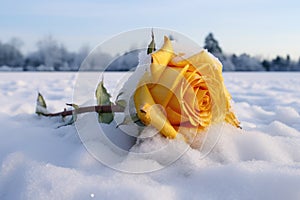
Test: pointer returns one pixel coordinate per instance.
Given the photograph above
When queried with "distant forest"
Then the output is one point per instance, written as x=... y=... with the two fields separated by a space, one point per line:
x=53 y=56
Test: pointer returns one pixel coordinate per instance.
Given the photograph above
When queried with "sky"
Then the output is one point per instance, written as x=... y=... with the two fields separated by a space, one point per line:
x=260 y=28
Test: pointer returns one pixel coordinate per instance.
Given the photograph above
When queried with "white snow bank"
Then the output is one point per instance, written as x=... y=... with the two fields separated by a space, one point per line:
x=262 y=161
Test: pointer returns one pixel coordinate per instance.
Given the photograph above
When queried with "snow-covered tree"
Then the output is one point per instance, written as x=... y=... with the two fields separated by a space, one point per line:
x=266 y=65
x=79 y=57
x=10 y=56
x=97 y=60
x=125 y=62
x=279 y=64
x=51 y=55
x=16 y=42
x=245 y=62
x=293 y=65
x=212 y=45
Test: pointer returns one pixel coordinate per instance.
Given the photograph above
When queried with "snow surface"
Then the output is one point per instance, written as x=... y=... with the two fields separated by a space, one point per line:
x=262 y=161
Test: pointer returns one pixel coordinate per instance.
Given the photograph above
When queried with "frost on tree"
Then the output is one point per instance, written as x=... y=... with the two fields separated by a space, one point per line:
x=212 y=45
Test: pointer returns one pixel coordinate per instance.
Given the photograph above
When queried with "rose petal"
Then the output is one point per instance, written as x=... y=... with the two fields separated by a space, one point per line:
x=160 y=59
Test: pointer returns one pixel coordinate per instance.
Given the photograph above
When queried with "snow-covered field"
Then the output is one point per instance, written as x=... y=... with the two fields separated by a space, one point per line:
x=262 y=161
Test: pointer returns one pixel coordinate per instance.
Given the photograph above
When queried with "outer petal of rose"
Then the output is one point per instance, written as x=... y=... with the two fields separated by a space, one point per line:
x=149 y=113
x=163 y=91
x=231 y=119
x=175 y=102
x=142 y=98
x=204 y=57
x=230 y=116
x=160 y=59
x=160 y=91
x=160 y=122
x=176 y=118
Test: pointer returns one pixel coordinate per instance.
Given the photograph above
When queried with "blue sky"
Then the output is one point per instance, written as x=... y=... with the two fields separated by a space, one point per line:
x=260 y=28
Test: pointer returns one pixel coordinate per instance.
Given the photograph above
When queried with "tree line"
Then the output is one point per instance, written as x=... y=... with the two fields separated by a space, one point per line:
x=51 y=55
x=245 y=62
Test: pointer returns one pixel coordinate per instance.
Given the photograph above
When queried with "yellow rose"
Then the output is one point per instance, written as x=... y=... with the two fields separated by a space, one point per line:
x=183 y=94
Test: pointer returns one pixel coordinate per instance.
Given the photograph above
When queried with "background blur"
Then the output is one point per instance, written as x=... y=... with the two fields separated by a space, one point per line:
x=38 y=35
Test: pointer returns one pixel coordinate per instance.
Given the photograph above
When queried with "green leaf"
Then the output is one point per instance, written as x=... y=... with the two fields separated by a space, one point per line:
x=103 y=98
x=121 y=103
x=74 y=115
x=41 y=106
x=106 y=118
x=151 y=46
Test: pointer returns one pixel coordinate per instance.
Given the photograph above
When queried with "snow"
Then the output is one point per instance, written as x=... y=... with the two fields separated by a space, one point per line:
x=9 y=69
x=261 y=161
